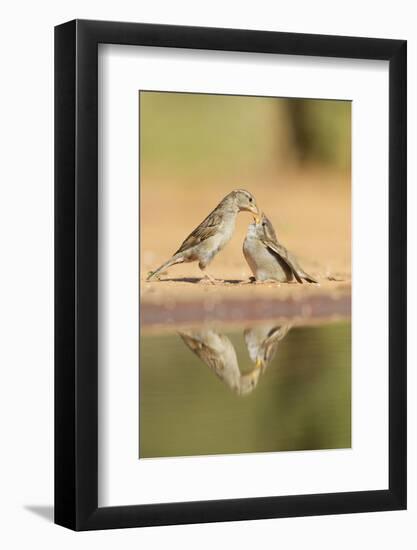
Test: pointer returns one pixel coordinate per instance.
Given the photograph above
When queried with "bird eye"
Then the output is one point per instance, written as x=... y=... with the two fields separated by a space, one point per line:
x=250 y=199
x=264 y=224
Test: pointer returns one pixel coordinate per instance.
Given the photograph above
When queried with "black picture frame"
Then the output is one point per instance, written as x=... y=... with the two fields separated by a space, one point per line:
x=76 y=274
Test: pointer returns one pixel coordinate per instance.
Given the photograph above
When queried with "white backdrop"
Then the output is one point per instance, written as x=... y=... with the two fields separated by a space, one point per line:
x=26 y=299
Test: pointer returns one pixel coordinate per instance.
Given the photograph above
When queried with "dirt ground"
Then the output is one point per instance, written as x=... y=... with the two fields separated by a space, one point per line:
x=311 y=213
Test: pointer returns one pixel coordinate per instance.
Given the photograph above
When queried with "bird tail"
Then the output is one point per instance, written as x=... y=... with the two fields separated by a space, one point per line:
x=176 y=259
x=308 y=278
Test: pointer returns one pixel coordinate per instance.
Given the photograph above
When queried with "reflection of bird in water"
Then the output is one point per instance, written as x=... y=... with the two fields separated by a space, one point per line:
x=218 y=353
x=267 y=258
x=262 y=342
x=213 y=233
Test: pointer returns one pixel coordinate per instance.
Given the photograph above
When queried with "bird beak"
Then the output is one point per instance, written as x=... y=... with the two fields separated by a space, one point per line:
x=256 y=215
x=258 y=364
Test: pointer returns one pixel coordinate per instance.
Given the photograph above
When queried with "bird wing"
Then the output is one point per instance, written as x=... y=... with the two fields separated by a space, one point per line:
x=206 y=353
x=222 y=363
x=205 y=230
x=276 y=334
x=270 y=344
x=284 y=255
x=288 y=259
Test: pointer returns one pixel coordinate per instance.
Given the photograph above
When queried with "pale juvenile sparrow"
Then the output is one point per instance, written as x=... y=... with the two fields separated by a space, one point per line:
x=213 y=233
x=267 y=258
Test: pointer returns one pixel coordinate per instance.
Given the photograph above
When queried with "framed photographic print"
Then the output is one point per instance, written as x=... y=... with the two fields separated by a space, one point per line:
x=230 y=251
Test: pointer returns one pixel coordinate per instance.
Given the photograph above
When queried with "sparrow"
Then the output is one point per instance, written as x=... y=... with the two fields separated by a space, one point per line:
x=218 y=353
x=267 y=258
x=262 y=342
x=213 y=233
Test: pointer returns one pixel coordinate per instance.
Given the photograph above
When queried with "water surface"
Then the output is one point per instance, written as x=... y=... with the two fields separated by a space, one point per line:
x=251 y=388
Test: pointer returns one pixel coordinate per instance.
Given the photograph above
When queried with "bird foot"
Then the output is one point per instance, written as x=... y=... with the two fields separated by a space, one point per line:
x=208 y=279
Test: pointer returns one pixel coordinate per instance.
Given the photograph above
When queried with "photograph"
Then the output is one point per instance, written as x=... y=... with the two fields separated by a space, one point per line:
x=245 y=268
x=208 y=271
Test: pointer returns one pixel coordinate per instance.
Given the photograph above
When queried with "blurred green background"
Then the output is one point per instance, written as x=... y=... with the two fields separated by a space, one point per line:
x=302 y=400
x=184 y=136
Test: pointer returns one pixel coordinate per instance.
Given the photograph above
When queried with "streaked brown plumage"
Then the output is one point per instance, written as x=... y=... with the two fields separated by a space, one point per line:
x=213 y=233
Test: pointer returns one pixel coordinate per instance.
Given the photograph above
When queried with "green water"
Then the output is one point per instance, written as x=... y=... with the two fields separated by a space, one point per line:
x=199 y=399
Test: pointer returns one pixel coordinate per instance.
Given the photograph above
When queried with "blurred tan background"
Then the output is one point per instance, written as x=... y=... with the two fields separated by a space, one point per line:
x=294 y=155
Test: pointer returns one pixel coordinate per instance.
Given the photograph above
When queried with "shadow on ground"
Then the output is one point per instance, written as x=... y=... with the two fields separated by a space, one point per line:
x=199 y=280
x=45 y=512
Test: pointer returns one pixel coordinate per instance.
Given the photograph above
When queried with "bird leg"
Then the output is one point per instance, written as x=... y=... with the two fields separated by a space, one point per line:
x=209 y=279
